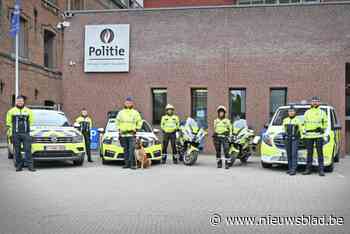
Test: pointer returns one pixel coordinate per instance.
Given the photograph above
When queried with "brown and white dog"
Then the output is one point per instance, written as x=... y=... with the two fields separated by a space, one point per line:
x=140 y=155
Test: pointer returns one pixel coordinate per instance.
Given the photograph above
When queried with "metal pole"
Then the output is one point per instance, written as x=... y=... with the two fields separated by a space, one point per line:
x=17 y=68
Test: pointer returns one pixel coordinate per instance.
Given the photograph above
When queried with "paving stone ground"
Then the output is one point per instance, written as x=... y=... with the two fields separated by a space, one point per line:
x=96 y=198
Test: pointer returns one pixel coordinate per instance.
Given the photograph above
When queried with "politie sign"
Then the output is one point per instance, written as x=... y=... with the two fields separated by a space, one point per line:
x=107 y=48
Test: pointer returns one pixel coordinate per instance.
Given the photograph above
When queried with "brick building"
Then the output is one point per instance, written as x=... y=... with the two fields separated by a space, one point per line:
x=41 y=49
x=251 y=59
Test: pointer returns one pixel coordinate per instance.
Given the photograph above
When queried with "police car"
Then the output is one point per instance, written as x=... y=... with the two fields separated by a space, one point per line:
x=53 y=138
x=273 y=146
x=111 y=149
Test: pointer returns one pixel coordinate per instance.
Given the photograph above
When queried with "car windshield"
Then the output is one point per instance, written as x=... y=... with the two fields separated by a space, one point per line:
x=111 y=126
x=283 y=113
x=49 y=118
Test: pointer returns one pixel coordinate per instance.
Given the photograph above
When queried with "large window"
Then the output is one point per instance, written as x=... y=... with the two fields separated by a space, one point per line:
x=49 y=49
x=277 y=2
x=237 y=102
x=159 y=101
x=199 y=110
x=22 y=39
x=278 y=97
x=76 y=4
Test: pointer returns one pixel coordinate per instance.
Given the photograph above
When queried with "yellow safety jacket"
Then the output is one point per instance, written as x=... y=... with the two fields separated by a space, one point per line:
x=222 y=127
x=293 y=121
x=84 y=122
x=19 y=120
x=315 y=123
x=170 y=123
x=128 y=121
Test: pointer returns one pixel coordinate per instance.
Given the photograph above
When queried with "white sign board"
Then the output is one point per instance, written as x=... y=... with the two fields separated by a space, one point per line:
x=107 y=48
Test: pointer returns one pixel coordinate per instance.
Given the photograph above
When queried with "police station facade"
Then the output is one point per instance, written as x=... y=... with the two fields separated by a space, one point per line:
x=251 y=59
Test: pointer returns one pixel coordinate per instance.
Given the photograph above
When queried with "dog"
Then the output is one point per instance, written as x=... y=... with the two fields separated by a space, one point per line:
x=141 y=158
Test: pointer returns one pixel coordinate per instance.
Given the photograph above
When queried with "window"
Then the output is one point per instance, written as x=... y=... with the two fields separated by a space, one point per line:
x=199 y=110
x=76 y=5
x=22 y=39
x=255 y=2
x=159 y=101
x=278 y=97
x=52 y=1
x=49 y=49
x=237 y=102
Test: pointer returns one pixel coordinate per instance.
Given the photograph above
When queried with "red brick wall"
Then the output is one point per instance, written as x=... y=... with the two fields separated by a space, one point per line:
x=303 y=48
x=32 y=73
x=179 y=3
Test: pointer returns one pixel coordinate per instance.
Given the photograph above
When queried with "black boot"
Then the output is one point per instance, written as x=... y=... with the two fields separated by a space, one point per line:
x=227 y=164
x=321 y=173
x=31 y=168
x=219 y=164
x=19 y=169
x=175 y=160
x=307 y=171
x=292 y=173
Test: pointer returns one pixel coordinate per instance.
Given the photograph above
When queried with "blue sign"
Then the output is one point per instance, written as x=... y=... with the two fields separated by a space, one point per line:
x=15 y=19
x=94 y=138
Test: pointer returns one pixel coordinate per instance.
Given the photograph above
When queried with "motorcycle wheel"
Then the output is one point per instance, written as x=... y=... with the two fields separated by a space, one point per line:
x=190 y=159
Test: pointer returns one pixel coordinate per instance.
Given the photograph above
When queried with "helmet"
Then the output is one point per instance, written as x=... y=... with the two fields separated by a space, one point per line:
x=316 y=98
x=169 y=106
x=221 y=108
x=291 y=107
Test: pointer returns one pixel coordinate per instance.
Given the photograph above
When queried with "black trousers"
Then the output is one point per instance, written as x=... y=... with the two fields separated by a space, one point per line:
x=221 y=143
x=166 y=138
x=26 y=140
x=292 y=144
x=310 y=151
x=128 y=144
x=87 y=145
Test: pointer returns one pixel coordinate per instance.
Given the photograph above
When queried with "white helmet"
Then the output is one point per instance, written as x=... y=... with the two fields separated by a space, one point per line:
x=169 y=106
x=221 y=108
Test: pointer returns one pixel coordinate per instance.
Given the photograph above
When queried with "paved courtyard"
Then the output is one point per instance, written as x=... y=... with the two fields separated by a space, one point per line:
x=96 y=198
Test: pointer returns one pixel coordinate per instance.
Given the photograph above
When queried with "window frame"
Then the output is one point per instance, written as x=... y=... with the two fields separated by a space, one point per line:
x=54 y=49
x=193 y=112
x=270 y=99
x=165 y=91
x=244 y=116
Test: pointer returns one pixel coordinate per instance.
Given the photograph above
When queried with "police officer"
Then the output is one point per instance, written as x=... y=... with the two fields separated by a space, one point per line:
x=85 y=125
x=128 y=121
x=292 y=134
x=315 y=124
x=222 y=130
x=19 y=119
x=169 y=124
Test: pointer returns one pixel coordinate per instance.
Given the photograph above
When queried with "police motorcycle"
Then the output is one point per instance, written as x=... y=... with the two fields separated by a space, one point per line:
x=189 y=141
x=242 y=142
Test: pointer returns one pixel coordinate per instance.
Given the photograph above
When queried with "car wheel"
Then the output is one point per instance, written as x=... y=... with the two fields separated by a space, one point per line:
x=337 y=158
x=266 y=165
x=104 y=162
x=9 y=154
x=79 y=162
x=329 y=168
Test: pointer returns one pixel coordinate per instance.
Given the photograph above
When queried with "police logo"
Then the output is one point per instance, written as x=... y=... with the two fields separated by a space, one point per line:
x=54 y=139
x=107 y=35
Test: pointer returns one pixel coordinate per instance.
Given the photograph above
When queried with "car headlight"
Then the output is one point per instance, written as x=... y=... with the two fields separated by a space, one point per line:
x=107 y=141
x=115 y=141
x=267 y=139
x=78 y=139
